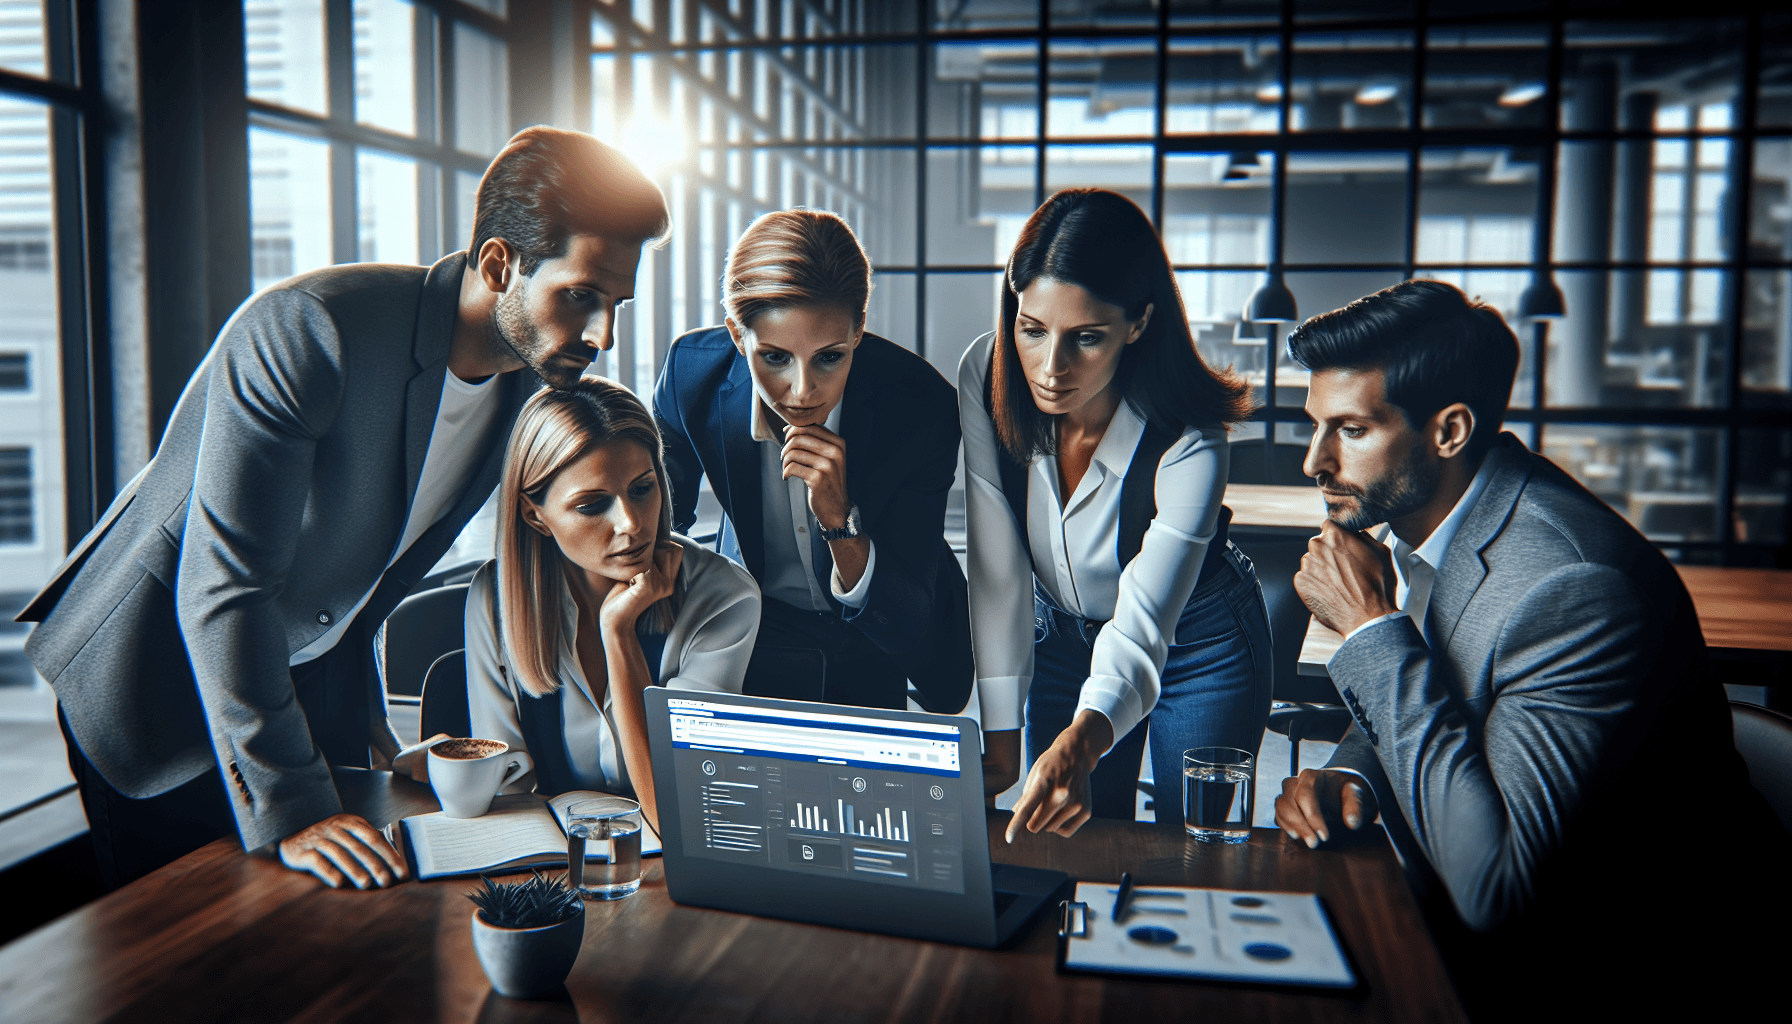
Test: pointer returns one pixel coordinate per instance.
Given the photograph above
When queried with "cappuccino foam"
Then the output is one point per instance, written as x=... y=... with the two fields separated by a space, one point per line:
x=466 y=749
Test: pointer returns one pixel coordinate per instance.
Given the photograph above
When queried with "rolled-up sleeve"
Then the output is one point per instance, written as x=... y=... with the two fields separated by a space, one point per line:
x=1127 y=663
x=999 y=571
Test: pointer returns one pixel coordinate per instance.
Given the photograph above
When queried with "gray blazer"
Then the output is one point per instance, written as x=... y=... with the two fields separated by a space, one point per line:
x=274 y=502
x=1522 y=759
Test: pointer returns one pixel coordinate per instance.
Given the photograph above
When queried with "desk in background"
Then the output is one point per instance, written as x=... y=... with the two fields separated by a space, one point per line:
x=1746 y=615
x=222 y=936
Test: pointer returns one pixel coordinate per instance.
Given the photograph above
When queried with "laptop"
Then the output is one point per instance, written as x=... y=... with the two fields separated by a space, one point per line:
x=858 y=818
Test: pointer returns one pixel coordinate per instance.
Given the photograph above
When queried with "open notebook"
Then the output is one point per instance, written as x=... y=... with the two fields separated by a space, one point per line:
x=520 y=831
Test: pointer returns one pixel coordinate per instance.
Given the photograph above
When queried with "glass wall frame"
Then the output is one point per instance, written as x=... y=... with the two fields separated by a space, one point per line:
x=398 y=104
x=1460 y=139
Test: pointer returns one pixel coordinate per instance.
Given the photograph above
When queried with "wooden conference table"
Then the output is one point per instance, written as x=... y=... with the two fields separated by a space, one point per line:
x=1746 y=615
x=221 y=936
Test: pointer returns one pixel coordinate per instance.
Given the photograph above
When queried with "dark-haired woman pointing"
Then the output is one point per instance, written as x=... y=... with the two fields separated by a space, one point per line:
x=1095 y=443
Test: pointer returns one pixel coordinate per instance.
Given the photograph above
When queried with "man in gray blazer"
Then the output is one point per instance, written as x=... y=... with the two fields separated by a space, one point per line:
x=1534 y=717
x=211 y=641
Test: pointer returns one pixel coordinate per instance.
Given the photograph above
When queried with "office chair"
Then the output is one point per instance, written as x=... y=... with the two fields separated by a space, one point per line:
x=1764 y=739
x=445 y=697
x=1305 y=707
x=419 y=631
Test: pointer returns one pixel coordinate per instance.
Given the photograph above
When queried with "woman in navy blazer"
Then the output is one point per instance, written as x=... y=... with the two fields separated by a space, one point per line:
x=831 y=452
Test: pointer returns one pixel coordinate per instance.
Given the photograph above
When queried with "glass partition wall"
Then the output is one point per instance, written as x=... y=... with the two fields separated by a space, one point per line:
x=1639 y=166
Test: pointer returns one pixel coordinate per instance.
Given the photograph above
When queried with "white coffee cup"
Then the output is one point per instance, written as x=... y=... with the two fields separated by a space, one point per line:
x=466 y=782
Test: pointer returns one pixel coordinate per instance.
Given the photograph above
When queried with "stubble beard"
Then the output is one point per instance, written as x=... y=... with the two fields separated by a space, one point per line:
x=1395 y=496
x=515 y=336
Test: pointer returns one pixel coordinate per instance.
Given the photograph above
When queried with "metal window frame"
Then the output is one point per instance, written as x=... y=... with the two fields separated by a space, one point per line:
x=432 y=147
x=838 y=19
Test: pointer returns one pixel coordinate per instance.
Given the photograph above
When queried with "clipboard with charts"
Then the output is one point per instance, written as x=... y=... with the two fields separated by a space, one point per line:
x=1265 y=938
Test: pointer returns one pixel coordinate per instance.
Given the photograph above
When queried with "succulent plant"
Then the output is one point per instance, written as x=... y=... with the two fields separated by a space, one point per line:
x=536 y=903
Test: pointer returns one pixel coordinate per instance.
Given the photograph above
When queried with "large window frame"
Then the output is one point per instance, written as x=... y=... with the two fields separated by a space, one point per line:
x=433 y=147
x=646 y=29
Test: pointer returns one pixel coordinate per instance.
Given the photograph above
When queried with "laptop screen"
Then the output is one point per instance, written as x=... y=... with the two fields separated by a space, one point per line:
x=819 y=793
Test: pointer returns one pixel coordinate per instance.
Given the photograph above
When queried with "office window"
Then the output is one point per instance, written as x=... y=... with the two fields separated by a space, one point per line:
x=1471 y=146
x=359 y=147
x=47 y=456
x=18 y=513
x=15 y=371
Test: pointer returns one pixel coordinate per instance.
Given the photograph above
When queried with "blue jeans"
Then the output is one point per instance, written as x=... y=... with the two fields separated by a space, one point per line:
x=1216 y=687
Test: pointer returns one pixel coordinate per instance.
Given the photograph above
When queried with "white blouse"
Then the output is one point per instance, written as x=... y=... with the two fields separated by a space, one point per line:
x=1074 y=557
x=707 y=649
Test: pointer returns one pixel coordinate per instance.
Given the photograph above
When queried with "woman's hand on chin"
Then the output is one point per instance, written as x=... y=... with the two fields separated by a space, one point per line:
x=626 y=600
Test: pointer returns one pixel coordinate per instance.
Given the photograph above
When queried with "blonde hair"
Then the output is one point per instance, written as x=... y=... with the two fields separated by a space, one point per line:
x=796 y=258
x=555 y=429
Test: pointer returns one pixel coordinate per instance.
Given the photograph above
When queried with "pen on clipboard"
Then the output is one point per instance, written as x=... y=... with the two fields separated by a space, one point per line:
x=1123 y=897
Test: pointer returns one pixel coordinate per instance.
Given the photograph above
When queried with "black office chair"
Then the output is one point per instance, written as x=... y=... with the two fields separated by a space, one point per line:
x=445 y=697
x=419 y=631
x=1306 y=707
x=1764 y=739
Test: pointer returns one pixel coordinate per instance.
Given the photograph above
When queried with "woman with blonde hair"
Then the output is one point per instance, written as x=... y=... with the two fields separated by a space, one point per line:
x=831 y=452
x=592 y=597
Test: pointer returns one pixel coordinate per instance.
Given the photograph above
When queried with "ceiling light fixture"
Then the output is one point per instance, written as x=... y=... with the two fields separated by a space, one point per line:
x=1376 y=92
x=1520 y=93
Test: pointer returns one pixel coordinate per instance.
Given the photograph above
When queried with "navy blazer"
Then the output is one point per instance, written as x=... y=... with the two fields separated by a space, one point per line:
x=900 y=424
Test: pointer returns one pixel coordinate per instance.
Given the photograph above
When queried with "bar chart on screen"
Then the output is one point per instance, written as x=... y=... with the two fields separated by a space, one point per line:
x=889 y=823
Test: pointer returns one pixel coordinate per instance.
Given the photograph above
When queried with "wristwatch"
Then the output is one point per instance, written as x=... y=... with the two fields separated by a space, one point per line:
x=850 y=530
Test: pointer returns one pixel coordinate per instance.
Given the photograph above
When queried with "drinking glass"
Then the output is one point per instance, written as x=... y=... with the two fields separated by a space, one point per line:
x=613 y=822
x=1219 y=787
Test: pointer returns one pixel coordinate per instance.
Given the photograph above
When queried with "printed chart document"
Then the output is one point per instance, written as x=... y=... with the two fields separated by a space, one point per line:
x=521 y=831
x=1274 y=938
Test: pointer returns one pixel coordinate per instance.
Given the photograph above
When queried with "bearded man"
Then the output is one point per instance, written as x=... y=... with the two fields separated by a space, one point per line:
x=1535 y=721
x=211 y=641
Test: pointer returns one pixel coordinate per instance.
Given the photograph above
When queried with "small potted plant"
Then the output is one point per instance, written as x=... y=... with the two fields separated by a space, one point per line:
x=527 y=934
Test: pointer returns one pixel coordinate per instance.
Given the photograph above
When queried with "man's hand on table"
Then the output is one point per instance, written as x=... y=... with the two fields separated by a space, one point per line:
x=1346 y=578
x=1317 y=800
x=1001 y=763
x=344 y=846
x=1056 y=797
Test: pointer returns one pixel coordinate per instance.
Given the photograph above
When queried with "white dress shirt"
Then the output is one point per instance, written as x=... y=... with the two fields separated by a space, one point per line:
x=707 y=649
x=784 y=512
x=1075 y=557
x=1415 y=569
x=458 y=443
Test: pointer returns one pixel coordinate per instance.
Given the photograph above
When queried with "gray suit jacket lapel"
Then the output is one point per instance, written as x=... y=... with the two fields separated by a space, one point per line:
x=429 y=348
x=1463 y=569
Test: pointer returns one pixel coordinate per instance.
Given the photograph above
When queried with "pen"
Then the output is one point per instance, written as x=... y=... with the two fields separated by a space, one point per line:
x=1124 y=897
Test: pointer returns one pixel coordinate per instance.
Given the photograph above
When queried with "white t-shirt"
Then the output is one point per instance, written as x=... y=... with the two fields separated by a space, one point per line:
x=457 y=445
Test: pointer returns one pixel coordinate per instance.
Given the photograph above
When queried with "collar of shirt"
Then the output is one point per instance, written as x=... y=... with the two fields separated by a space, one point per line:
x=762 y=430
x=1113 y=454
x=1432 y=550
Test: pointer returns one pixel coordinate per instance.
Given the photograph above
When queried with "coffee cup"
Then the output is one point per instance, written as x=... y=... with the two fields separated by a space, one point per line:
x=467 y=773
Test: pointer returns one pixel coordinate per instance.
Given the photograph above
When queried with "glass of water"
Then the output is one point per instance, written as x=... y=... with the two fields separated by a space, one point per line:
x=607 y=827
x=1219 y=787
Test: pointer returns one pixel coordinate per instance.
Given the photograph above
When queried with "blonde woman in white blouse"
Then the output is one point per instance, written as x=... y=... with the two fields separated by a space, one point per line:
x=592 y=597
x=1095 y=454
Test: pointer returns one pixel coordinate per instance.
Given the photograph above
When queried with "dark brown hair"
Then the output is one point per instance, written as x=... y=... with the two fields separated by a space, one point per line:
x=796 y=258
x=1102 y=242
x=549 y=184
x=1435 y=345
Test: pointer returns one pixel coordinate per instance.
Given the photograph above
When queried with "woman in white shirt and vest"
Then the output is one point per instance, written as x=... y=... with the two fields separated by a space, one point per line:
x=592 y=597
x=1095 y=452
